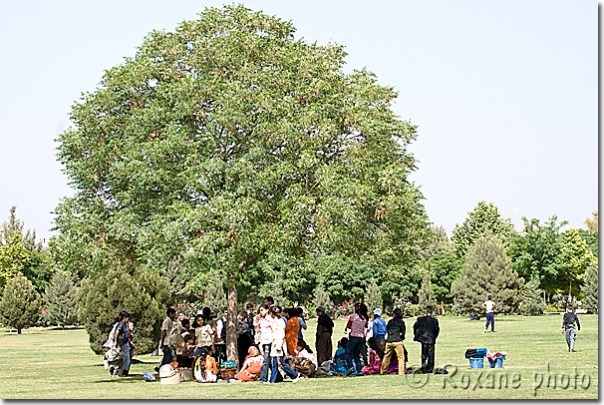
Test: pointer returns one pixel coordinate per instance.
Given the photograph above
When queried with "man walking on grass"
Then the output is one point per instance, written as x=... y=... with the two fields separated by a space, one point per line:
x=568 y=327
x=489 y=306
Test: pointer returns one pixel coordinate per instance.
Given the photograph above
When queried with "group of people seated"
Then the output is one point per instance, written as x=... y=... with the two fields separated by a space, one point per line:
x=272 y=346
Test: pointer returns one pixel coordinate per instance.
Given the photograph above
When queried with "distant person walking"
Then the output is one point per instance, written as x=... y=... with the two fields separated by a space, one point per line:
x=568 y=327
x=426 y=331
x=489 y=307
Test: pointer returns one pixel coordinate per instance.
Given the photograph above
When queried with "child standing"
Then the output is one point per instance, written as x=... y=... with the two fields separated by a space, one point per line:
x=568 y=327
x=204 y=335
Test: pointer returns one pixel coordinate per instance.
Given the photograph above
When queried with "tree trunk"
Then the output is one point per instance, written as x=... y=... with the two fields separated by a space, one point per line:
x=18 y=330
x=231 y=332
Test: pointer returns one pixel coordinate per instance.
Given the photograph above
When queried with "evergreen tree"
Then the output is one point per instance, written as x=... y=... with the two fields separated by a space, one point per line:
x=124 y=286
x=426 y=292
x=215 y=297
x=532 y=300
x=373 y=296
x=487 y=271
x=484 y=219
x=60 y=300
x=590 y=289
x=21 y=303
x=320 y=297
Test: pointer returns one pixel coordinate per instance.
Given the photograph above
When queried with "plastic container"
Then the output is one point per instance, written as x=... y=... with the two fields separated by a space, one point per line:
x=476 y=362
x=167 y=375
x=481 y=352
x=497 y=363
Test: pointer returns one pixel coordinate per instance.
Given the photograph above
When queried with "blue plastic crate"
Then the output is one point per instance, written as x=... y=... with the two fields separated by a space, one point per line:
x=476 y=362
x=497 y=363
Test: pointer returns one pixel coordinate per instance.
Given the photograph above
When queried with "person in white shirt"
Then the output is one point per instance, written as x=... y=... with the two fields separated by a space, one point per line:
x=489 y=306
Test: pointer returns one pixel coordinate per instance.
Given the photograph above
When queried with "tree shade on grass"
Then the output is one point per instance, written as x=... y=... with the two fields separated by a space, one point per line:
x=65 y=367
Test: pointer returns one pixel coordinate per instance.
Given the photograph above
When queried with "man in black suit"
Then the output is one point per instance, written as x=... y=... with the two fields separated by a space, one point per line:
x=426 y=331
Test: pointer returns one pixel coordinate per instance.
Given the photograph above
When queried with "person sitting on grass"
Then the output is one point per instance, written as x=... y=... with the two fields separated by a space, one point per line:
x=251 y=367
x=301 y=365
x=305 y=351
x=205 y=367
x=340 y=367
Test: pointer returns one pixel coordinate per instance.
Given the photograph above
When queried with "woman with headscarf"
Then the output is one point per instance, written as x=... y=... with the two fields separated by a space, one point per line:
x=251 y=367
x=292 y=327
x=324 y=331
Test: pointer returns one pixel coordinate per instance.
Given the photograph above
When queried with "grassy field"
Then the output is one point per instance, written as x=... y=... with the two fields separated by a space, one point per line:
x=58 y=364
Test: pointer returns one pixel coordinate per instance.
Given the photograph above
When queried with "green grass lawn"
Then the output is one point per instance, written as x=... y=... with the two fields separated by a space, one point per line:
x=58 y=364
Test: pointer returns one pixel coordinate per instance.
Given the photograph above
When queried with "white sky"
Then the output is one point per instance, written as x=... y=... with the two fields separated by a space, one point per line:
x=505 y=93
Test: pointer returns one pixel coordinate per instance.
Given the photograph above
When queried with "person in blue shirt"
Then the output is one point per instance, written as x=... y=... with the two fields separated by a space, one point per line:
x=379 y=326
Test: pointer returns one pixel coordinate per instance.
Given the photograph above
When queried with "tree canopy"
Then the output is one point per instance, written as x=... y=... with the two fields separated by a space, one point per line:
x=227 y=138
x=484 y=219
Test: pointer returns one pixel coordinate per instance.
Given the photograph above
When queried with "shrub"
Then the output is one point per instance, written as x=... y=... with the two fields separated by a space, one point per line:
x=124 y=286
x=415 y=310
x=532 y=302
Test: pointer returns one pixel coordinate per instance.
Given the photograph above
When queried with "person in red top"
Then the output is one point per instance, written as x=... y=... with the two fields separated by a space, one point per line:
x=357 y=323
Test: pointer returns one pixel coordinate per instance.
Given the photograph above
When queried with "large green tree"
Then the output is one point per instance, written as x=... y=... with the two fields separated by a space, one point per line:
x=575 y=258
x=228 y=138
x=484 y=219
x=536 y=252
